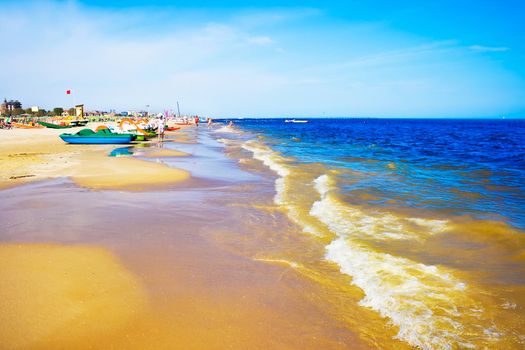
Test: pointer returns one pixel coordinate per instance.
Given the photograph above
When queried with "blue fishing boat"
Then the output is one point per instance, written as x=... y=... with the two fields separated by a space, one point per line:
x=104 y=136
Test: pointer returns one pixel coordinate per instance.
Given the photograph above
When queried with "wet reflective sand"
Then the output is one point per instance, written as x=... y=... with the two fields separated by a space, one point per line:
x=143 y=271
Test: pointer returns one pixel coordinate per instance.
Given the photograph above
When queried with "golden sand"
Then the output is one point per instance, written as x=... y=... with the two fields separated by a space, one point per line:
x=81 y=297
x=55 y=296
x=102 y=172
x=156 y=153
x=36 y=154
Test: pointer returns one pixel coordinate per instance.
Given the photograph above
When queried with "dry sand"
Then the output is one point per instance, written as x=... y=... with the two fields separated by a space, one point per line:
x=36 y=154
x=74 y=283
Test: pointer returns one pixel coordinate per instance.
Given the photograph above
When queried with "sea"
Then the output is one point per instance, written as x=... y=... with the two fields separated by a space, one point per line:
x=412 y=228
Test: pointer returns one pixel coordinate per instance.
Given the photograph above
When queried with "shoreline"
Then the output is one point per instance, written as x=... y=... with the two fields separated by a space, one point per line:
x=255 y=243
x=156 y=272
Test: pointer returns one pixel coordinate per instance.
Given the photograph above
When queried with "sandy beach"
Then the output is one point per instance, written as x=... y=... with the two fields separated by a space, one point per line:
x=36 y=154
x=104 y=252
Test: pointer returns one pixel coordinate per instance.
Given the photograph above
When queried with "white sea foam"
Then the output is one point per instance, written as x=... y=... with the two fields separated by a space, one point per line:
x=419 y=299
x=376 y=225
x=432 y=226
x=227 y=129
x=272 y=160
x=227 y=142
x=277 y=164
x=509 y=305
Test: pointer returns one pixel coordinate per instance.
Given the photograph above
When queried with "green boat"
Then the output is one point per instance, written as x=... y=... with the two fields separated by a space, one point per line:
x=55 y=126
x=149 y=135
x=104 y=136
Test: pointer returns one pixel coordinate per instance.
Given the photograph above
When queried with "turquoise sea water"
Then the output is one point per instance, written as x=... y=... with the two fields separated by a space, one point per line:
x=474 y=167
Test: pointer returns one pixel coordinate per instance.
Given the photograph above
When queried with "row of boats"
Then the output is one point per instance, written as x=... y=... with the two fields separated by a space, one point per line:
x=126 y=131
x=41 y=124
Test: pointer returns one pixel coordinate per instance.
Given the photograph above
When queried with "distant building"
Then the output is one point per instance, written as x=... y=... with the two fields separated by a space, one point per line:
x=35 y=109
x=11 y=105
x=79 y=111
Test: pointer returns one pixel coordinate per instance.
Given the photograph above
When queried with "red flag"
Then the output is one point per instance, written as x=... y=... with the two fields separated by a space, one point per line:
x=68 y=92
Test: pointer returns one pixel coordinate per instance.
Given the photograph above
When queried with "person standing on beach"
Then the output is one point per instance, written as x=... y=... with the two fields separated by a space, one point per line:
x=196 y=120
x=161 y=128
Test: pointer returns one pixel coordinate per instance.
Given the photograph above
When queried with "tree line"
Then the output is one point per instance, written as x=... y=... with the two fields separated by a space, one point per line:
x=57 y=111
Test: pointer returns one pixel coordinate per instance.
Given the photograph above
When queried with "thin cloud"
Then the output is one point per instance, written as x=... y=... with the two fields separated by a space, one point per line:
x=261 y=40
x=398 y=56
x=480 y=48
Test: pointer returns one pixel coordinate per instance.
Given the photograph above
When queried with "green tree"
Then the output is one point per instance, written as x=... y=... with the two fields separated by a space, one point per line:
x=41 y=112
x=28 y=111
x=58 y=111
x=17 y=111
x=71 y=111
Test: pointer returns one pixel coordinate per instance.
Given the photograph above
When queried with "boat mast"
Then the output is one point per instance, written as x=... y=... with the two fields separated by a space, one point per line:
x=178 y=109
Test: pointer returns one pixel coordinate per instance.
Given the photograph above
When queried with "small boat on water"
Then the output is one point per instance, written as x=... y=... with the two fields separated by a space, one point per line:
x=295 y=121
x=103 y=136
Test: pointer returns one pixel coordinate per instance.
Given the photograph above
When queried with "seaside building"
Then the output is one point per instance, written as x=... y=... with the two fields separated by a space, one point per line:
x=79 y=111
x=10 y=105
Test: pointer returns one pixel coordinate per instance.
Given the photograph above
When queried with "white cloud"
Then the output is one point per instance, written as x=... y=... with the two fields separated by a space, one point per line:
x=261 y=40
x=480 y=48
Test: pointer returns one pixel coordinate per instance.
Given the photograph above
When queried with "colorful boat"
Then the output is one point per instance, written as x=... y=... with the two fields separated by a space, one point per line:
x=136 y=135
x=26 y=126
x=55 y=126
x=104 y=136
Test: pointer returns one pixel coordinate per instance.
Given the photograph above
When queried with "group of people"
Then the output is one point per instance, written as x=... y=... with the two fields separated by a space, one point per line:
x=161 y=125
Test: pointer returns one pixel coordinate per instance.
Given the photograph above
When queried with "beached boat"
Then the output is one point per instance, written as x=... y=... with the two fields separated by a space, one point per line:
x=295 y=121
x=104 y=136
x=55 y=126
x=78 y=122
x=26 y=126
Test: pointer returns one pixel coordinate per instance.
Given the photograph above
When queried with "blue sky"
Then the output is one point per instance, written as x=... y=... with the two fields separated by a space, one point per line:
x=273 y=58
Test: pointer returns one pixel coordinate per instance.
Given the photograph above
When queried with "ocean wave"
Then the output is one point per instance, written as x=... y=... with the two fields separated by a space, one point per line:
x=377 y=225
x=427 y=304
x=272 y=160
x=228 y=129
x=389 y=253
x=422 y=300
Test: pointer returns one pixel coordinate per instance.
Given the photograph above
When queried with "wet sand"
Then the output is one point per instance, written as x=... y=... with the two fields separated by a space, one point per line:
x=151 y=274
